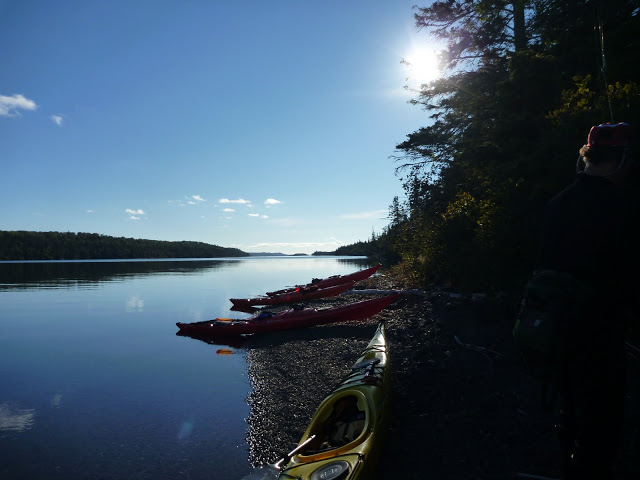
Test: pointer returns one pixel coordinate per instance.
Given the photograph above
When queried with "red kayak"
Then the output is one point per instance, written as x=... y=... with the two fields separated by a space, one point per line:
x=272 y=322
x=294 y=296
x=332 y=281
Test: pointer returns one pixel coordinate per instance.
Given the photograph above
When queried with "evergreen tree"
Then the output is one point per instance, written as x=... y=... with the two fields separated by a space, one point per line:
x=524 y=80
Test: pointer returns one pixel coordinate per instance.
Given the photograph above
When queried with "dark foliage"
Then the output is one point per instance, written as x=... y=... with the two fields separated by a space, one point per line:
x=525 y=80
x=22 y=245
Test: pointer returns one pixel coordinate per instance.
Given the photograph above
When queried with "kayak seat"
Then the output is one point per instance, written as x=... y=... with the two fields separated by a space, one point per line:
x=343 y=426
x=340 y=433
x=346 y=432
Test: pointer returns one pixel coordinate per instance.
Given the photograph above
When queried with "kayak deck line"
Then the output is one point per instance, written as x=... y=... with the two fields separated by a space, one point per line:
x=372 y=377
x=294 y=296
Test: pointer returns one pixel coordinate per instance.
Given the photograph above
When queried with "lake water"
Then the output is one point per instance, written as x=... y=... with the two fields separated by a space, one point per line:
x=95 y=384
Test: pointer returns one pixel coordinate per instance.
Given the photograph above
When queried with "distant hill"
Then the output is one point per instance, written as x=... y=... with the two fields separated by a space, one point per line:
x=24 y=245
x=356 y=249
x=278 y=254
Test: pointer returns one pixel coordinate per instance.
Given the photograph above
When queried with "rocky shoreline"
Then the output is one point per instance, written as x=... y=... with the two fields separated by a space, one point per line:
x=462 y=407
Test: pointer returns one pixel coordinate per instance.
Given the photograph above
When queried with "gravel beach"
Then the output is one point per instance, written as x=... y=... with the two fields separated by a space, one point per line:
x=462 y=407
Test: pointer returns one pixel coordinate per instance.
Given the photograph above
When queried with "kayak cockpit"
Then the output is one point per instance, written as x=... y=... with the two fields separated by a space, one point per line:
x=341 y=424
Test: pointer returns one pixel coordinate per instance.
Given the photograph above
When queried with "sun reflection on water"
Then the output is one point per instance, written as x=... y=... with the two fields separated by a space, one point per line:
x=185 y=430
x=56 y=400
x=16 y=420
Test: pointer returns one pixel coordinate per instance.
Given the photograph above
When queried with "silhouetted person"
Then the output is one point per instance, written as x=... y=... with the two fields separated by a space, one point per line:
x=587 y=232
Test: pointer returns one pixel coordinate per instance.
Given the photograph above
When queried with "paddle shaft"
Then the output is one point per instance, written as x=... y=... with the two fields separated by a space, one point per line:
x=286 y=458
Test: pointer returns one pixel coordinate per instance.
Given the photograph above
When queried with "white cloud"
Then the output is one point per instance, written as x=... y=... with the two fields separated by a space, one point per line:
x=239 y=200
x=11 y=106
x=90 y=211
x=193 y=200
x=254 y=214
x=57 y=119
x=229 y=210
x=134 y=214
x=271 y=201
x=374 y=214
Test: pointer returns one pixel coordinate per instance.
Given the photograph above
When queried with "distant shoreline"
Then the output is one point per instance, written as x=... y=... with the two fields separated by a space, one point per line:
x=67 y=246
x=179 y=259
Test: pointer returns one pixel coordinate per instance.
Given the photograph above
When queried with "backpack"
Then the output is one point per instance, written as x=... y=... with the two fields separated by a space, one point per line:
x=551 y=303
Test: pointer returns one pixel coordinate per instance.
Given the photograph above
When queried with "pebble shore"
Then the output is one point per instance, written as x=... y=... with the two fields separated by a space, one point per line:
x=462 y=407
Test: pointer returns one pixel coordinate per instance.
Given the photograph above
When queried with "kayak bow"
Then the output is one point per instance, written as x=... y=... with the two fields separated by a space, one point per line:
x=294 y=318
x=332 y=281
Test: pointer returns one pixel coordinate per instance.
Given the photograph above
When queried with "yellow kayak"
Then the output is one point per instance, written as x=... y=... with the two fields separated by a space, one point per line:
x=344 y=439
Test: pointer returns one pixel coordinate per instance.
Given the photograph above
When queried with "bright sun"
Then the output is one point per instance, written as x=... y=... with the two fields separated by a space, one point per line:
x=422 y=64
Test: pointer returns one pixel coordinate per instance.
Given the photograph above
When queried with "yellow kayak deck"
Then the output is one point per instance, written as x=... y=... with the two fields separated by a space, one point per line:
x=349 y=425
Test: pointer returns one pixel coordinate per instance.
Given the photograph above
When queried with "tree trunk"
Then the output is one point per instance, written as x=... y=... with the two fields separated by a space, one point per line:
x=519 y=34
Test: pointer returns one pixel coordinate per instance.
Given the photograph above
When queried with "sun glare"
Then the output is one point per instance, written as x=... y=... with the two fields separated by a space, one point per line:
x=422 y=64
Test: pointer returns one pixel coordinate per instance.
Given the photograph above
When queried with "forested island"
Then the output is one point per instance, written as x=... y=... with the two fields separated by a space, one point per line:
x=379 y=248
x=24 y=245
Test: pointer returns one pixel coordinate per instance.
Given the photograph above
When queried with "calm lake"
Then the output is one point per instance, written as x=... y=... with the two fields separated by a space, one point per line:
x=95 y=384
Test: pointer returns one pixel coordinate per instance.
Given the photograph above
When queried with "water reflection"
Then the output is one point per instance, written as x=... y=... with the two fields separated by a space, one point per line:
x=185 y=430
x=135 y=304
x=104 y=382
x=276 y=339
x=362 y=262
x=15 y=420
x=56 y=401
x=89 y=274
x=237 y=341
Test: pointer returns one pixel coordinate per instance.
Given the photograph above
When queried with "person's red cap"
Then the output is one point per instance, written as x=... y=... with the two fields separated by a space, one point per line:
x=611 y=135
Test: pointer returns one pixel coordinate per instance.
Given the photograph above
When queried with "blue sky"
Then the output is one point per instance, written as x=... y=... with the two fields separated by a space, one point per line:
x=262 y=125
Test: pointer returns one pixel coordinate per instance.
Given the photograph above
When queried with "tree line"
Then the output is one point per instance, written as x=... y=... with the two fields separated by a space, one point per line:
x=24 y=245
x=523 y=83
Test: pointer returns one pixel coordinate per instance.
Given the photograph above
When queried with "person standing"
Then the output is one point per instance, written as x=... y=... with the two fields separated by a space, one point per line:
x=587 y=232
